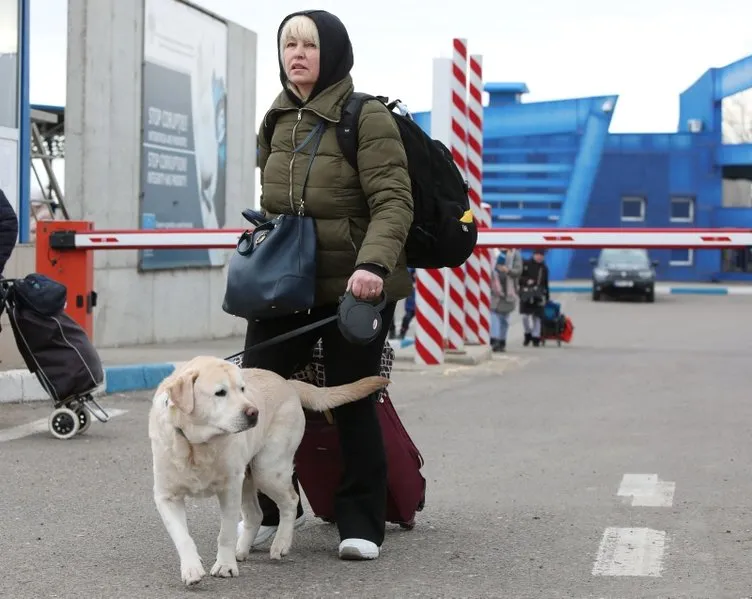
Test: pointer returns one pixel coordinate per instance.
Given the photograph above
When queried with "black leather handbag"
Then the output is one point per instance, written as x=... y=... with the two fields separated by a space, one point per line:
x=273 y=271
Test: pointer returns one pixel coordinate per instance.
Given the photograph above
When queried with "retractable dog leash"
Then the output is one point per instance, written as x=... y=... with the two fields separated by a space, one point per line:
x=359 y=322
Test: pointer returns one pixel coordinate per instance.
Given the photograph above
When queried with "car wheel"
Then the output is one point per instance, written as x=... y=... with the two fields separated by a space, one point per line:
x=650 y=297
x=596 y=296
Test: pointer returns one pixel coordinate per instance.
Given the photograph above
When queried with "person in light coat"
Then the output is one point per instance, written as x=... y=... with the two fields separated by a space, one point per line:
x=504 y=295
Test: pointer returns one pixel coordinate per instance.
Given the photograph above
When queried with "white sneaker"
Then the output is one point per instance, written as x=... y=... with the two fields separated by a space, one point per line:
x=267 y=532
x=358 y=549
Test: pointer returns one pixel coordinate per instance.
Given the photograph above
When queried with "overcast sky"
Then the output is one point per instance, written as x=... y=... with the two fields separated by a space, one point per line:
x=647 y=51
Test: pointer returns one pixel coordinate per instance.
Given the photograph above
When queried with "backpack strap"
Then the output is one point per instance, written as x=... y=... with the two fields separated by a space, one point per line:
x=347 y=128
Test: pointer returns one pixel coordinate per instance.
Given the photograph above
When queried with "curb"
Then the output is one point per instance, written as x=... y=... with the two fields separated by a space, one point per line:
x=23 y=386
x=663 y=290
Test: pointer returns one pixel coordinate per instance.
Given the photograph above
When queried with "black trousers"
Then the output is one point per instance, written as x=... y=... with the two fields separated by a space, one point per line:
x=360 y=500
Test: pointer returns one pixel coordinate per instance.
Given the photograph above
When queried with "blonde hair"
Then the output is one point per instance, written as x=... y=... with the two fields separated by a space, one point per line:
x=301 y=28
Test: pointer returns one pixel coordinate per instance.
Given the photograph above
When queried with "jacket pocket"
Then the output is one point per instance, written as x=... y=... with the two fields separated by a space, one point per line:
x=357 y=232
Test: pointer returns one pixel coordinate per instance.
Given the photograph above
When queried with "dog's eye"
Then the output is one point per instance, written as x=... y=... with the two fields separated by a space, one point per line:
x=221 y=393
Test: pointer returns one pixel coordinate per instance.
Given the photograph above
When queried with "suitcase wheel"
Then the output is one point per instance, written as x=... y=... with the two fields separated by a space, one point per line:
x=64 y=423
x=84 y=420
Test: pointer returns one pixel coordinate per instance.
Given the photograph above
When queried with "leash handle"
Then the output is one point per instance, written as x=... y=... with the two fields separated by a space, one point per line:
x=284 y=336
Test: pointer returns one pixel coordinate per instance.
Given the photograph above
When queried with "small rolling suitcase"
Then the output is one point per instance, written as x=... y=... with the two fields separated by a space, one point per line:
x=51 y=343
x=567 y=331
x=318 y=459
x=56 y=349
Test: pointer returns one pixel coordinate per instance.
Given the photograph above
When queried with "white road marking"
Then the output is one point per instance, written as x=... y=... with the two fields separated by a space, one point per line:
x=41 y=425
x=647 y=490
x=630 y=552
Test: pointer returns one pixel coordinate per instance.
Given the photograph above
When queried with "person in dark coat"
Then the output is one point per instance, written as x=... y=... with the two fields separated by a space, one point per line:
x=534 y=294
x=409 y=313
x=8 y=230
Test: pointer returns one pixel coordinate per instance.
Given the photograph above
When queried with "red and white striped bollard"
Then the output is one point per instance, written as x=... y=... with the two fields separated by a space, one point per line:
x=456 y=295
x=478 y=322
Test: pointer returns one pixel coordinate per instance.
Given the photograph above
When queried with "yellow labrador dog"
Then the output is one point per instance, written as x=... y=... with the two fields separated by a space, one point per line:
x=218 y=430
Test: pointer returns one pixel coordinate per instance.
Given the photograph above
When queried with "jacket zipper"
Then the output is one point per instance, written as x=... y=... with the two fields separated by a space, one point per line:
x=292 y=160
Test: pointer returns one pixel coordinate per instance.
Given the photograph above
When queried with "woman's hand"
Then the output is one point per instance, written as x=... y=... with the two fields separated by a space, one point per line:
x=365 y=285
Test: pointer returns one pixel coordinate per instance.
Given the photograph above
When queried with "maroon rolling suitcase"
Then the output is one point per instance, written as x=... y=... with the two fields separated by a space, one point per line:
x=318 y=460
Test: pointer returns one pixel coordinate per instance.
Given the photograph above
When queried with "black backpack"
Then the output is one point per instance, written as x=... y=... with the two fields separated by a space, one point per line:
x=443 y=232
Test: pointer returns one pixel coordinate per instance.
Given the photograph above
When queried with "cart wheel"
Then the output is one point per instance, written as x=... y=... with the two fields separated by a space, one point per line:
x=64 y=423
x=84 y=420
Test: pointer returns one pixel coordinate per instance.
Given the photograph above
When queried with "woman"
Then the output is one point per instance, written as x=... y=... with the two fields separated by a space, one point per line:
x=362 y=221
x=534 y=294
x=503 y=295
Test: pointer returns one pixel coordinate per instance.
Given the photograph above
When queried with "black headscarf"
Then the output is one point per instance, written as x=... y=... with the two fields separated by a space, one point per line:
x=335 y=52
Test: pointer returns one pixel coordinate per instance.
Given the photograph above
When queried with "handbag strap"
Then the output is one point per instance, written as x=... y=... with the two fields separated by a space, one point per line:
x=315 y=135
x=285 y=336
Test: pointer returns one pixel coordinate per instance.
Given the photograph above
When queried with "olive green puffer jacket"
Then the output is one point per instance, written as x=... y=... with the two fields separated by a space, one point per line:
x=361 y=218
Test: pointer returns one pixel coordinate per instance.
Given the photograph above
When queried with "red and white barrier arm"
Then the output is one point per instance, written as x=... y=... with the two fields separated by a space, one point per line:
x=616 y=238
x=136 y=239
x=487 y=238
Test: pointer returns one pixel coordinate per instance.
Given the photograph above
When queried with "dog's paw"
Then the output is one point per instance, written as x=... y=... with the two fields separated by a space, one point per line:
x=225 y=570
x=243 y=546
x=279 y=548
x=192 y=572
x=242 y=553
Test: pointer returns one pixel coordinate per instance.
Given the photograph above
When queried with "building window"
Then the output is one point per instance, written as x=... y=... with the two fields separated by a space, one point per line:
x=632 y=209
x=681 y=257
x=739 y=260
x=682 y=209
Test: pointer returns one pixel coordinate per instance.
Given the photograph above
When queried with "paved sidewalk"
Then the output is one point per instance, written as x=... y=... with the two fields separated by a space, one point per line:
x=616 y=466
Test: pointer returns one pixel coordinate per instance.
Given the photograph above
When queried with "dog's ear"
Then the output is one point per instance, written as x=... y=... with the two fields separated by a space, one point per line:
x=181 y=391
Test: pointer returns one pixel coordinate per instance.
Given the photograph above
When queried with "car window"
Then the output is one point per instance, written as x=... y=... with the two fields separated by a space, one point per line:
x=627 y=257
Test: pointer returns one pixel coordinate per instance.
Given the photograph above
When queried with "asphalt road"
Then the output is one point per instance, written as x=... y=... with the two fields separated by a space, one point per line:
x=524 y=459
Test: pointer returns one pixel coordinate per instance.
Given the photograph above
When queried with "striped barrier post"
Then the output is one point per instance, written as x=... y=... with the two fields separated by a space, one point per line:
x=477 y=317
x=429 y=316
x=456 y=294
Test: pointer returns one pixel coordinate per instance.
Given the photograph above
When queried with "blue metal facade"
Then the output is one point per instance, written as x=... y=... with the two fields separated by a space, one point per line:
x=549 y=164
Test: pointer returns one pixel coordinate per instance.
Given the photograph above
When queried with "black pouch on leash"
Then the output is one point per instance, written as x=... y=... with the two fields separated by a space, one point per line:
x=273 y=271
x=359 y=321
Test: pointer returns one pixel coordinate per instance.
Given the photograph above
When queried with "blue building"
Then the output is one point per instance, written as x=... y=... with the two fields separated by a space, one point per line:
x=548 y=164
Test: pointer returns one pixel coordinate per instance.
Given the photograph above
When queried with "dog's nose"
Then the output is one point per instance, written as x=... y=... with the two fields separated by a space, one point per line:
x=251 y=415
